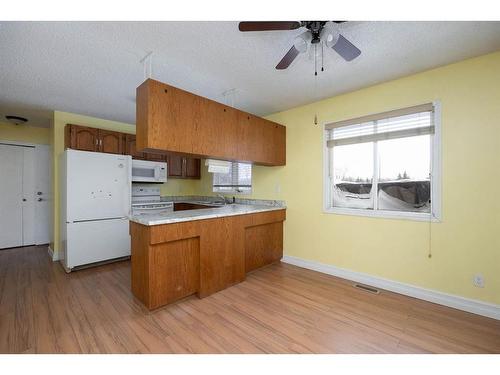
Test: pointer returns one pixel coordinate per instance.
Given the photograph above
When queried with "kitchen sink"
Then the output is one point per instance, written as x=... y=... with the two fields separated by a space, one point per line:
x=183 y=206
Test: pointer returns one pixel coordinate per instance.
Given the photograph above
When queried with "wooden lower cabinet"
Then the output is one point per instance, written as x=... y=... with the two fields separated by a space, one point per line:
x=173 y=261
x=263 y=245
x=175 y=271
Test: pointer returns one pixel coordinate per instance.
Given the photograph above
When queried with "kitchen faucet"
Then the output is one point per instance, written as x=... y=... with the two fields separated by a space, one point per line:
x=222 y=197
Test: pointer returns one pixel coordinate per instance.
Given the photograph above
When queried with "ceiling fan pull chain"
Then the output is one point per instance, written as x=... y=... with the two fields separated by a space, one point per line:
x=315 y=64
x=322 y=66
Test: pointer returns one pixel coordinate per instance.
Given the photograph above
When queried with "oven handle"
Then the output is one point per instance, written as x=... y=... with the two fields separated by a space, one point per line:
x=152 y=208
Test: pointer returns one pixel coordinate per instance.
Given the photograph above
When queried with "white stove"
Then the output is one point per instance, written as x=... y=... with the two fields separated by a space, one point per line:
x=146 y=201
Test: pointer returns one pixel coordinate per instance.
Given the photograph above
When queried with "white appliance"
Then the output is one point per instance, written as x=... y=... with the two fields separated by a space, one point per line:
x=146 y=201
x=149 y=171
x=95 y=205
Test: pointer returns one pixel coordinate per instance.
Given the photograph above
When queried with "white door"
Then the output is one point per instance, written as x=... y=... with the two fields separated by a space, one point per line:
x=98 y=185
x=43 y=195
x=11 y=195
x=28 y=200
x=17 y=214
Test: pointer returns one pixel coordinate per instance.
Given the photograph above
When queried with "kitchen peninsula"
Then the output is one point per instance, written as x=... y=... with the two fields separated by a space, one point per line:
x=203 y=250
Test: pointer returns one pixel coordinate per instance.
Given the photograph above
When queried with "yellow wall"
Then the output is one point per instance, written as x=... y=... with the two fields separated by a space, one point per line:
x=60 y=119
x=24 y=133
x=464 y=243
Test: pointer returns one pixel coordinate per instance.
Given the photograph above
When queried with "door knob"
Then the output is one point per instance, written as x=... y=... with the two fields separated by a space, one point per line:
x=24 y=199
x=39 y=193
x=40 y=199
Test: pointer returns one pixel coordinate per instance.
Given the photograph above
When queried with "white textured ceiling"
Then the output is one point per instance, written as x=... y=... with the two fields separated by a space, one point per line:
x=93 y=68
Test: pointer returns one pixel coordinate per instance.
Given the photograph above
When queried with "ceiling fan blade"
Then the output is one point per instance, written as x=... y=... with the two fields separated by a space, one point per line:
x=346 y=49
x=268 y=25
x=288 y=58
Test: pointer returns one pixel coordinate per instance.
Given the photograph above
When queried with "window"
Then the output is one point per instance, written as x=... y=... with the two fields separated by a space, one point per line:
x=384 y=165
x=238 y=180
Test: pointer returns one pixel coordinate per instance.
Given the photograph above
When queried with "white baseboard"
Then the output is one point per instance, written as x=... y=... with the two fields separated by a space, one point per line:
x=53 y=256
x=473 y=306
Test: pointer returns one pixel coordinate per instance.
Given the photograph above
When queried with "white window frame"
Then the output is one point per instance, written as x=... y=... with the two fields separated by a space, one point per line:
x=435 y=214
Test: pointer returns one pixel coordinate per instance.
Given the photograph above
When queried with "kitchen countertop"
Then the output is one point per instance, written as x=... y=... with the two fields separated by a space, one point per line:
x=239 y=208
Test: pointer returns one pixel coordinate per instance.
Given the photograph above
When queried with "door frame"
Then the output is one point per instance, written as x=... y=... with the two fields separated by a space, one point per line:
x=51 y=187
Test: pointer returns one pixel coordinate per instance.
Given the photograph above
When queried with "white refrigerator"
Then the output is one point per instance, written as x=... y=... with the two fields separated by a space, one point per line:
x=95 y=206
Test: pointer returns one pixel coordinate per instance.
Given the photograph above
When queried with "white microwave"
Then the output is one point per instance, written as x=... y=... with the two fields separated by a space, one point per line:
x=149 y=171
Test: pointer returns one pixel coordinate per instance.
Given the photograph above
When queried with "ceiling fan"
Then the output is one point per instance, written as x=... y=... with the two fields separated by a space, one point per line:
x=317 y=32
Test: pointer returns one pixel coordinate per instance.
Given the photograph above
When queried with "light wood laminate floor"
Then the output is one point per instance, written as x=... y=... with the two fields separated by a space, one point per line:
x=278 y=309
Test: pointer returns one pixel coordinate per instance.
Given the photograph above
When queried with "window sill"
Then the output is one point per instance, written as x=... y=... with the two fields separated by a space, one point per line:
x=415 y=216
x=233 y=192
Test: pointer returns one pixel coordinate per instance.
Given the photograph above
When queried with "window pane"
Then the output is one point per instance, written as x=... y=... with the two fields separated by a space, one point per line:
x=404 y=174
x=352 y=176
x=238 y=180
x=244 y=174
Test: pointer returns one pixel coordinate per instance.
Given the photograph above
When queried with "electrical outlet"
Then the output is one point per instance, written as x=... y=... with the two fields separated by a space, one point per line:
x=478 y=281
x=277 y=188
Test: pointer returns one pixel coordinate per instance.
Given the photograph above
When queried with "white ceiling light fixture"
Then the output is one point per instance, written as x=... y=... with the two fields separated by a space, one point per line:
x=302 y=42
x=330 y=35
x=16 y=120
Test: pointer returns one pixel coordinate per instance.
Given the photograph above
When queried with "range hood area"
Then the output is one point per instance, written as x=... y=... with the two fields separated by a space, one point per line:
x=169 y=119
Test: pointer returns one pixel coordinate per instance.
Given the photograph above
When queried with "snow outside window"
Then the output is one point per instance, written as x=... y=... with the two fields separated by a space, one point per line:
x=384 y=166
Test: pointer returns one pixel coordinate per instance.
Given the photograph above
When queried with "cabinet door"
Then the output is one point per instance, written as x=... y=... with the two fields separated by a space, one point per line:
x=155 y=157
x=83 y=138
x=175 y=166
x=130 y=147
x=279 y=145
x=263 y=245
x=175 y=270
x=251 y=131
x=111 y=142
x=193 y=167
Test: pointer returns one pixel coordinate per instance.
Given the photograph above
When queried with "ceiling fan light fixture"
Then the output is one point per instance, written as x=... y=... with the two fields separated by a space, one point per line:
x=302 y=41
x=330 y=36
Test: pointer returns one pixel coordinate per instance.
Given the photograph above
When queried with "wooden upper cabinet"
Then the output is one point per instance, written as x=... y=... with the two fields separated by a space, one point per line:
x=183 y=167
x=131 y=149
x=82 y=138
x=193 y=168
x=174 y=165
x=171 y=119
x=111 y=142
x=158 y=105
x=156 y=156
x=85 y=138
x=100 y=140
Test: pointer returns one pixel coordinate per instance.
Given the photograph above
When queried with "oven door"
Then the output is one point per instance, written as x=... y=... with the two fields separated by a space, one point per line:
x=152 y=209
